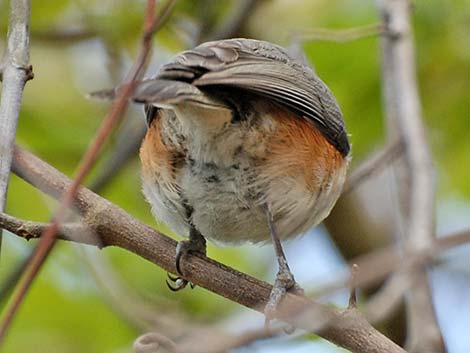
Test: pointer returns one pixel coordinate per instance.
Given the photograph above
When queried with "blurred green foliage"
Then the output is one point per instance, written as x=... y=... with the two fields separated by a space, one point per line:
x=64 y=312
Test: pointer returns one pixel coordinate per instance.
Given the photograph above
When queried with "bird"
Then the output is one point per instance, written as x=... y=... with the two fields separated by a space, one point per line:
x=244 y=144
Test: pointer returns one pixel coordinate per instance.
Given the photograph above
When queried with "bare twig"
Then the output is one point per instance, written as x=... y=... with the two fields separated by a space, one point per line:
x=374 y=266
x=116 y=228
x=65 y=36
x=352 y=291
x=125 y=149
x=221 y=342
x=337 y=35
x=390 y=296
x=75 y=232
x=403 y=106
x=124 y=152
x=385 y=301
x=372 y=165
x=15 y=71
x=377 y=265
x=47 y=241
x=234 y=21
x=143 y=314
x=152 y=342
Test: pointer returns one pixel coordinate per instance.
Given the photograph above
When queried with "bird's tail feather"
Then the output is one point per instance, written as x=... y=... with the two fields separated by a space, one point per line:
x=161 y=93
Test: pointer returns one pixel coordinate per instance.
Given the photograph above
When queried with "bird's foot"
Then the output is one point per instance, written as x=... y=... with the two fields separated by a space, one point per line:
x=179 y=283
x=195 y=244
x=284 y=283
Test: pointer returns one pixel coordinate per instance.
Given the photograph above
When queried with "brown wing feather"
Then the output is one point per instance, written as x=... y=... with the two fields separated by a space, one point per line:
x=265 y=69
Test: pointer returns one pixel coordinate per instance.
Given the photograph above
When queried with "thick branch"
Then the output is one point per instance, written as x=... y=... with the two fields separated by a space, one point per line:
x=116 y=228
x=15 y=73
x=375 y=266
x=404 y=112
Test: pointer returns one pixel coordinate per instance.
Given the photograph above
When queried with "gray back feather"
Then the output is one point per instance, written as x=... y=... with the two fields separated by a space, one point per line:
x=267 y=70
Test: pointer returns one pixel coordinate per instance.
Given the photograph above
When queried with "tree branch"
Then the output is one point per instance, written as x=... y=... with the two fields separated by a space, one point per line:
x=15 y=71
x=372 y=165
x=404 y=111
x=374 y=266
x=28 y=230
x=116 y=228
x=152 y=22
x=337 y=35
x=122 y=153
x=153 y=341
x=235 y=21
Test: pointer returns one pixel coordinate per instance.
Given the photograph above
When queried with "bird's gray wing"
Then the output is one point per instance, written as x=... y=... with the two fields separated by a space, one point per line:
x=267 y=70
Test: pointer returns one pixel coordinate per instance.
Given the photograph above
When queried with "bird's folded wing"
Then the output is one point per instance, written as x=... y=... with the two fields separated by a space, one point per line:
x=266 y=70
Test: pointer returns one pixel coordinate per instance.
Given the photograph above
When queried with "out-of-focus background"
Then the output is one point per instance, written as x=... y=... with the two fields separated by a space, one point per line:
x=86 y=300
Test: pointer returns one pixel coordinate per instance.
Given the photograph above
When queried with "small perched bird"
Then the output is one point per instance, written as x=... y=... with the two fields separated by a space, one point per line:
x=244 y=144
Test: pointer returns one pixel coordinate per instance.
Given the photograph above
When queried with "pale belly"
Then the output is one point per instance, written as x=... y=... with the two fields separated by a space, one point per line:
x=227 y=206
x=221 y=188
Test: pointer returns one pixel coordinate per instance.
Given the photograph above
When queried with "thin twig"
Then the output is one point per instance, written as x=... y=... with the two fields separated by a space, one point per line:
x=125 y=149
x=15 y=72
x=388 y=298
x=377 y=265
x=76 y=232
x=352 y=291
x=114 y=227
x=153 y=341
x=223 y=343
x=235 y=20
x=65 y=36
x=337 y=35
x=124 y=152
x=372 y=165
x=142 y=314
x=47 y=241
x=404 y=108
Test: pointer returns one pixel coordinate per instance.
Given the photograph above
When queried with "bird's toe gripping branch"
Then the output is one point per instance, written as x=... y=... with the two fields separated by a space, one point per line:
x=195 y=244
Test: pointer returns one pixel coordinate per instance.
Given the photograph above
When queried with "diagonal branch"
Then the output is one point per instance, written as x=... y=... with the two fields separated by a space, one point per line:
x=403 y=108
x=122 y=153
x=151 y=23
x=116 y=228
x=372 y=165
x=235 y=21
x=375 y=266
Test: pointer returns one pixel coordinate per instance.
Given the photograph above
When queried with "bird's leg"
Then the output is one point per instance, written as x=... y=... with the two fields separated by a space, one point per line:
x=195 y=243
x=284 y=279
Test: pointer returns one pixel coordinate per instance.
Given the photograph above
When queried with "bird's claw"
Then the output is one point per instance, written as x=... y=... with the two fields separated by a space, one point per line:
x=196 y=243
x=179 y=283
x=284 y=283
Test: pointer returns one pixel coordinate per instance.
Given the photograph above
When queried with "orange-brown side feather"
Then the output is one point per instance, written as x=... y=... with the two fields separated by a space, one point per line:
x=157 y=159
x=299 y=150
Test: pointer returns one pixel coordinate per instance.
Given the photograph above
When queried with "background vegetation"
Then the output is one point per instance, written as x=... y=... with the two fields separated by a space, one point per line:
x=83 y=45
